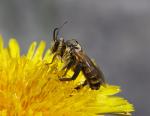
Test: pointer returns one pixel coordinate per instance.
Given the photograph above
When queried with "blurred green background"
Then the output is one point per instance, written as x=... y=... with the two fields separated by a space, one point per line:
x=116 y=33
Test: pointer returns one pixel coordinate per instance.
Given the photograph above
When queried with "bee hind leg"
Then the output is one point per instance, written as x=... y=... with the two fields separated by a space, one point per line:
x=75 y=75
x=82 y=85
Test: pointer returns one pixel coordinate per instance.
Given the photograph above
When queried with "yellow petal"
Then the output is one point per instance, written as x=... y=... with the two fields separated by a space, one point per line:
x=14 y=48
x=3 y=113
x=39 y=52
x=1 y=43
x=31 y=50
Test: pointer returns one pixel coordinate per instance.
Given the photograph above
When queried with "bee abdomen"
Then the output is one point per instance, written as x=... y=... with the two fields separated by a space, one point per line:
x=95 y=86
x=93 y=78
x=94 y=81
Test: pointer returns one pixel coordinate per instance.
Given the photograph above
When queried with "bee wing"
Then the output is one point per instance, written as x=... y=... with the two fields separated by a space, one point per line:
x=84 y=58
x=101 y=77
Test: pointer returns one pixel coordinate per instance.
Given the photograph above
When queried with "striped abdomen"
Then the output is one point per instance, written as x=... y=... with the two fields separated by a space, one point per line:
x=93 y=76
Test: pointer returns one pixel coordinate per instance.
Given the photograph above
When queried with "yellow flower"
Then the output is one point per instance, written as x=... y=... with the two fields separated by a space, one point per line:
x=30 y=87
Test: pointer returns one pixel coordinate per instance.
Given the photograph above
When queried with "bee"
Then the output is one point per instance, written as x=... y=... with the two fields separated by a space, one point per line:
x=76 y=59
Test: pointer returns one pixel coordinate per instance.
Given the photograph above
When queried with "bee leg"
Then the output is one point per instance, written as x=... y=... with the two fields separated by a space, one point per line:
x=82 y=85
x=75 y=75
x=67 y=67
x=54 y=57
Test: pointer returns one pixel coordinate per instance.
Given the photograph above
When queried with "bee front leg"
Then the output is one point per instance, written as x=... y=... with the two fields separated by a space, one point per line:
x=67 y=66
x=75 y=75
x=54 y=57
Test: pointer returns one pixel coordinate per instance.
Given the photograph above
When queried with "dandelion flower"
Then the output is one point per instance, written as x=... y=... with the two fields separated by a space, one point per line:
x=30 y=87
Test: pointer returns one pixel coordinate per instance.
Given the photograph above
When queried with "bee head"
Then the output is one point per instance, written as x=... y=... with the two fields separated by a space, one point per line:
x=57 y=41
x=73 y=45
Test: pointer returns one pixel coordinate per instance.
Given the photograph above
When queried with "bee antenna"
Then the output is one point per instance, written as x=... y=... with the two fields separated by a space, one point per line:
x=55 y=34
x=56 y=31
x=63 y=24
